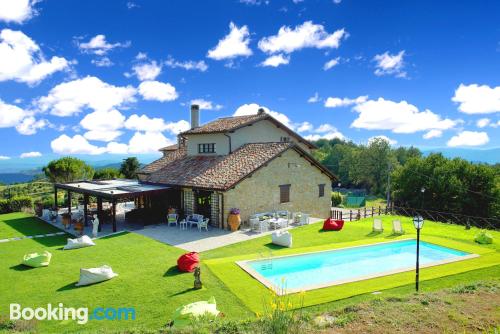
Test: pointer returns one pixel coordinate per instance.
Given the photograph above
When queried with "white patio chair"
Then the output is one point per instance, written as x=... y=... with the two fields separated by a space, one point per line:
x=304 y=219
x=194 y=219
x=172 y=218
x=255 y=224
x=203 y=224
x=397 y=227
x=377 y=225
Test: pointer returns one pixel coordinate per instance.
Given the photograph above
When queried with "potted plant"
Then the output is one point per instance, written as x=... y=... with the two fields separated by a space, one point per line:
x=234 y=219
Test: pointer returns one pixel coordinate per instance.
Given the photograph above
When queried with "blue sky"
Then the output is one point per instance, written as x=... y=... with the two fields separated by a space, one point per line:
x=117 y=77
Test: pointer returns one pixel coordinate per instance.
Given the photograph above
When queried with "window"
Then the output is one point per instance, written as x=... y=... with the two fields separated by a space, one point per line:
x=206 y=148
x=285 y=139
x=321 y=190
x=285 y=193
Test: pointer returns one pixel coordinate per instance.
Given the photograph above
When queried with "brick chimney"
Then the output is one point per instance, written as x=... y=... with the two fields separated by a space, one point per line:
x=195 y=116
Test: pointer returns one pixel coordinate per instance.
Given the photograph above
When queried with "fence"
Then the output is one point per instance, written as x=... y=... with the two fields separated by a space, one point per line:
x=444 y=217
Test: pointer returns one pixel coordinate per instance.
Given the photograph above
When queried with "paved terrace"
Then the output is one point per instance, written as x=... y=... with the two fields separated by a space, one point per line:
x=190 y=239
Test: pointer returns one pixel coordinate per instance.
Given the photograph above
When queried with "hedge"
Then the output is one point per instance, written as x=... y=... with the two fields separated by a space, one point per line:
x=15 y=204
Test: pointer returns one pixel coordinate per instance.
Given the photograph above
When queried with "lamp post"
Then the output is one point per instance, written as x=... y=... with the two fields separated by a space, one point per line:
x=418 y=222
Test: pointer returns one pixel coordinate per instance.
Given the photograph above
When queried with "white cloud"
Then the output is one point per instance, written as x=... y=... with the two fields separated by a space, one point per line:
x=483 y=122
x=313 y=99
x=141 y=56
x=117 y=148
x=103 y=125
x=23 y=61
x=99 y=46
x=187 y=65
x=99 y=135
x=102 y=62
x=388 y=64
x=10 y=115
x=207 y=105
x=387 y=139
x=30 y=155
x=331 y=63
x=17 y=11
x=29 y=125
x=148 y=142
x=433 y=134
x=144 y=123
x=3 y=157
x=69 y=98
x=469 y=138
x=337 y=1
x=75 y=145
x=324 y=131
x=328 y=135
x=253 y=108
x=233 y=45
x=306 y=35
x=147 y=71
x=157 y=91
x=399 y=117
x=304 y=127
x=335 y=102
x=276 y=60
x=255 y=2
x=475 y=99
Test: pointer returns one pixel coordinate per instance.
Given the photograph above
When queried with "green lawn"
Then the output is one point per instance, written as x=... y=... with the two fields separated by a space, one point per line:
x=311 y=238
x=149 y=281
x=20 y=224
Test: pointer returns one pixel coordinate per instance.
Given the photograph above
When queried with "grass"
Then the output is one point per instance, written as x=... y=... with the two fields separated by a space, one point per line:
x=311 y=238
x=149 y=281
x=21 y=224
x=463 y=309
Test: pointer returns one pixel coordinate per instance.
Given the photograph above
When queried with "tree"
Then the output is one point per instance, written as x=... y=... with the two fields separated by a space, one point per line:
x=107 y=174
x=451 y=185
x=130 y=167
x=68 y=169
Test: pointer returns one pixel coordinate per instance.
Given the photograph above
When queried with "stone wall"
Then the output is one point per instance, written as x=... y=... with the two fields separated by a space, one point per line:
x=261 y=193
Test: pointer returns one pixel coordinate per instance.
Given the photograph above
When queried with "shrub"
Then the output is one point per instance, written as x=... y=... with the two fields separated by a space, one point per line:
x=336 y=198
x=15 y=204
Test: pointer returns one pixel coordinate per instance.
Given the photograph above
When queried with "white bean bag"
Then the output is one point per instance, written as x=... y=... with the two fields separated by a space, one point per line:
x=95 y=275
x=282 y=238
x=83 y=241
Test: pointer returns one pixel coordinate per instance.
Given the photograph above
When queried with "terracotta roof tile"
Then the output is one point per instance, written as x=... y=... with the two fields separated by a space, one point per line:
x=227 y=124
x=160 y=163
x=215 y=172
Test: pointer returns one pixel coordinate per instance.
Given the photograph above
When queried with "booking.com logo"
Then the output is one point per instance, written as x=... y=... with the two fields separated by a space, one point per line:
x=81 y=314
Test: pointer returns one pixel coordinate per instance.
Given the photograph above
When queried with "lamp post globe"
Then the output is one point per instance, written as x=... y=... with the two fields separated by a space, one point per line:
x=418 y=222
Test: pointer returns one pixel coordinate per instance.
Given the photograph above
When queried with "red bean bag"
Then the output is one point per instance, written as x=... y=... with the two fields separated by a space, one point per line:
x=333 y=225
x=188 y=262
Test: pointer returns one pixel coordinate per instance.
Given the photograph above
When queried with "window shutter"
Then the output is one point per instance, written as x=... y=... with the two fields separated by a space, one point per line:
x=285 y=193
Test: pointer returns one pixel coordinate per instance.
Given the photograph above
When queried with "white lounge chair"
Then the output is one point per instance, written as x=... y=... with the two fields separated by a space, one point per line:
x=83 y=241
x=95 y=275
x=397 y=227
x=172 y=218
x=203 y=224
x=377 y=225
x=281 y=238
x=304 y=219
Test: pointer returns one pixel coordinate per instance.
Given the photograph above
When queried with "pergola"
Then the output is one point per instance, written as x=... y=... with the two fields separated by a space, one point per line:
x=110 y=190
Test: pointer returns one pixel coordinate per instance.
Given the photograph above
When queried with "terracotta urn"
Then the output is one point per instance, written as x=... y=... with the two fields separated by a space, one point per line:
x=234 y=222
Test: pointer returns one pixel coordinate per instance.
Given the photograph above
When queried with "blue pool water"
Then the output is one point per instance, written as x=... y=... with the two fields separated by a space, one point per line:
x=311 y=270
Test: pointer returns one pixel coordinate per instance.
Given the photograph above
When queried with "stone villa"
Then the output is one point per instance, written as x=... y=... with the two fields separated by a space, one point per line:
x=254 y=163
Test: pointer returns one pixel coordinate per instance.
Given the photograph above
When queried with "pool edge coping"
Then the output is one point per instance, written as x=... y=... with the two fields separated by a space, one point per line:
x=243 y=264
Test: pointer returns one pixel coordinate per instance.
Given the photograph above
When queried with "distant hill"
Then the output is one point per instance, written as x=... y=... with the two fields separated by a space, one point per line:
x=490 y=156
x=10 y=178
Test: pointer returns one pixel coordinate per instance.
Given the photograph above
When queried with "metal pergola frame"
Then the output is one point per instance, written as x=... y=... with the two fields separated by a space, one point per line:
x=107 y=193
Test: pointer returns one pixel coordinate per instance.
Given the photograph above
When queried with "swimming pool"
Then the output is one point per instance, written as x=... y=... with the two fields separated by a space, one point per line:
x=321 y=269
